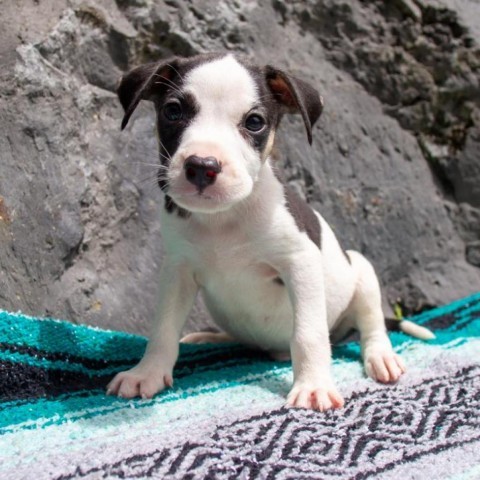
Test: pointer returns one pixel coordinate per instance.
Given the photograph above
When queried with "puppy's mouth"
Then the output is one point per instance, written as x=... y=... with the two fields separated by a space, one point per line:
x=217 y=197
x=206 y=201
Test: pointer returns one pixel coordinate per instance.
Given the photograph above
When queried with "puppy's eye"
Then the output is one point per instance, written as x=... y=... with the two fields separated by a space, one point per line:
x=254 y=123
x=173 y=111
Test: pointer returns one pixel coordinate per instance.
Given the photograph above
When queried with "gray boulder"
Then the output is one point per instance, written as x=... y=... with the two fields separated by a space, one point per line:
x=394 y=167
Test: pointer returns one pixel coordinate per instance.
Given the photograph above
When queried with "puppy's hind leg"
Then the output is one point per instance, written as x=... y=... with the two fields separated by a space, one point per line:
x=380 y=361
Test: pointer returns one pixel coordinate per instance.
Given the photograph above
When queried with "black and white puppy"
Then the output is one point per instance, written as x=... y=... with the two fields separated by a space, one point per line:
x=270 y=269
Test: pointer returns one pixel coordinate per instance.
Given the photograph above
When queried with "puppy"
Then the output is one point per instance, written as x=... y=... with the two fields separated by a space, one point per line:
x=271 y=272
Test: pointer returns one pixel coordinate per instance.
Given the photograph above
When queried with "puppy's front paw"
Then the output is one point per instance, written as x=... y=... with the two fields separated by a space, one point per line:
x=384 y=366
x=315 y=396
x=139 y=381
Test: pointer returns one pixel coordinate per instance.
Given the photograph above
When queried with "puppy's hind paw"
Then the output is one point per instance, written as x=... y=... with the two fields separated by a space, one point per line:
x=138 y=383
x=207 y=337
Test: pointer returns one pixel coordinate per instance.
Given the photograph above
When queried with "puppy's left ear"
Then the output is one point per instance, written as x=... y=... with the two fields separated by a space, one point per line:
x=296 y=96
x=142 y=83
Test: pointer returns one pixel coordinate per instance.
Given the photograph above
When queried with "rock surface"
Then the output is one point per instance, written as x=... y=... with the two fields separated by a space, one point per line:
x=395 y=164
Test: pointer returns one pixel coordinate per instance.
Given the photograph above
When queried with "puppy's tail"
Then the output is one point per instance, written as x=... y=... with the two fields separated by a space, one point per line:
x=410 y=328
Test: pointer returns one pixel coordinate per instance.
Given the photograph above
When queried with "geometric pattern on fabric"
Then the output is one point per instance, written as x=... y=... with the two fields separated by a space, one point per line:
x=368 y=438
x=224 y=418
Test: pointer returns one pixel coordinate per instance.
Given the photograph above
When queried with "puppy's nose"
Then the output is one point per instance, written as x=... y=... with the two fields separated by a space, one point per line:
x=200 y=171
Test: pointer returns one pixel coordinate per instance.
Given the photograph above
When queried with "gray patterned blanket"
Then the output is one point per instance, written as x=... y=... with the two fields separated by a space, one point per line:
x=224 y=418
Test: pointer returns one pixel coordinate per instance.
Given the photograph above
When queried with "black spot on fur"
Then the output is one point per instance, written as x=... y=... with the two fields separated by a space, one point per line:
x=172 y=207
x=304 y=216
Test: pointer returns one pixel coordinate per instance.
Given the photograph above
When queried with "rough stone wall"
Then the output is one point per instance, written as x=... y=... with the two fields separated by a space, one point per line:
x=395 y=164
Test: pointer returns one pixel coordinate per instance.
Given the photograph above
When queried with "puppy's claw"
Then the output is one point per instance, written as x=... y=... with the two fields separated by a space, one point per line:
x=168 y=380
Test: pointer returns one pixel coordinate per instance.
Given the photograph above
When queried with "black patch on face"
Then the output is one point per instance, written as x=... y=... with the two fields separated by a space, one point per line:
x=279 y=281
x=267 y=107
x=160 y=83
x=258 y=140
x=170 y=132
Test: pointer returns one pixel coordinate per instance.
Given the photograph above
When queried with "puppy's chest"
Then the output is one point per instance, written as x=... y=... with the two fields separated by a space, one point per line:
x=227 y=258
x=240 y=288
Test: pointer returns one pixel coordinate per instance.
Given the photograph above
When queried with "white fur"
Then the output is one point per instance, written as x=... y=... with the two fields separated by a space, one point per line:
x=214 y=132
x=233 y=246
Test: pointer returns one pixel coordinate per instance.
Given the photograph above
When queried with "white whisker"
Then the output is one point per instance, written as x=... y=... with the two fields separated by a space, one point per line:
x=170 y=84
x=175 y=70
x=176 y=90
x=166 y=151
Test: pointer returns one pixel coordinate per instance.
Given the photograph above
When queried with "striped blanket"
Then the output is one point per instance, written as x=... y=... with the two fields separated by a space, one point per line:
x=224 y=418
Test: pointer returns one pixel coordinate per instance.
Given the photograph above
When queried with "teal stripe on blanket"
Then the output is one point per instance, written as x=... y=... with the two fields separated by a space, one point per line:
x=91 y=343
x=84 y=342
x=195 y=382
x=62 y=337
x=468 y=304
x=56 y=336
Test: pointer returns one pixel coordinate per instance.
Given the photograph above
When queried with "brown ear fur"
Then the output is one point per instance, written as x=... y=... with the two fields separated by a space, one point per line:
x=141 y=83
x=296 y=96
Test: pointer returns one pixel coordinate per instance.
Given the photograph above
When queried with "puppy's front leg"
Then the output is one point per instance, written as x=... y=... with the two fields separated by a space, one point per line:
x=313 y=386
x=154 y=372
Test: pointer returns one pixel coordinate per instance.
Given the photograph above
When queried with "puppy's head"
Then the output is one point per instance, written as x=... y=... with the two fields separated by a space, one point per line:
x=216 y=121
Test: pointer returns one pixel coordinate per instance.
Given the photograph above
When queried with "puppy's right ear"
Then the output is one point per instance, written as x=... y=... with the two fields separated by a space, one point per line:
x=295 y=96
x=142 y=83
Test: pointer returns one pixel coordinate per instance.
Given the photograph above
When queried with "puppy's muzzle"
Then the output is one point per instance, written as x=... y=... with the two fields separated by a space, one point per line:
x=202 y=172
